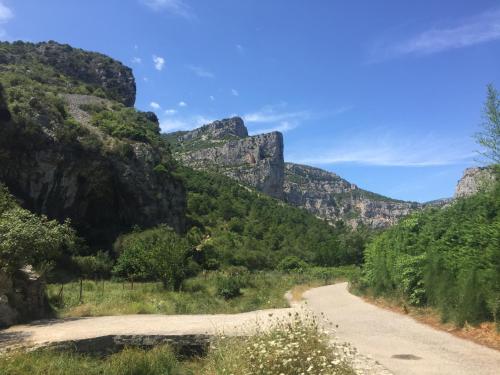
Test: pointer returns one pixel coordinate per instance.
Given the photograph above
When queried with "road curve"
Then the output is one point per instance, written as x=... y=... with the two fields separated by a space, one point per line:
x=385 y=336
x=402 y=345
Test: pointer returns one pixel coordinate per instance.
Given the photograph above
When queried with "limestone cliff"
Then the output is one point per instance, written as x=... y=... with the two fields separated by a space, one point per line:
x=328 y=196
x=224 y=146
x=257 y=161
x=66 y=153
x=473 y=181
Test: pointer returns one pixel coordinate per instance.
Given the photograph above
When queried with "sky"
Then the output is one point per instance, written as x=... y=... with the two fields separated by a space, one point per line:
x=387 y=94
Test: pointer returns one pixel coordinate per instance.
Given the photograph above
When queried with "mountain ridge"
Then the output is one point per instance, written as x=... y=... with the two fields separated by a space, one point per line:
x=226 y=147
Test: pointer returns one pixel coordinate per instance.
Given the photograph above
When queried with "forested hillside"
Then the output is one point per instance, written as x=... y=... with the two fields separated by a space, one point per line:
x=445 y=258
x=251 y=229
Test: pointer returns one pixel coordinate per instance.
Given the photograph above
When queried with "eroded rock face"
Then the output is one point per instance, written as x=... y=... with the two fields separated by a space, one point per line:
x=93 y=68
x=328 y=196
x=225 y=146
x=103 y=195
x=473 y=181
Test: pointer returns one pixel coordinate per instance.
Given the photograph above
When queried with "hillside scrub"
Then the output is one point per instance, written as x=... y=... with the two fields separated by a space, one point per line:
x=444 y=258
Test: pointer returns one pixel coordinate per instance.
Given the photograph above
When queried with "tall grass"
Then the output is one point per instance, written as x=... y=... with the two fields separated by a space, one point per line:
x=199 y=295
x=157 y=361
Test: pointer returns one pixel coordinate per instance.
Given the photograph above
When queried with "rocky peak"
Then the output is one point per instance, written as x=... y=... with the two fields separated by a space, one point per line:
x=218 y=130
x=224 y=146
x=474 y=180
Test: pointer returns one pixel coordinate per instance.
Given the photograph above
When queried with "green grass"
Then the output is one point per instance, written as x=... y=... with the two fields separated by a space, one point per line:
x=157 y=361
x=262 y=290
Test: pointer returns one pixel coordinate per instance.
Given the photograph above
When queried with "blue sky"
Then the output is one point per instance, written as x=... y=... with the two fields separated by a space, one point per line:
x=386 y=94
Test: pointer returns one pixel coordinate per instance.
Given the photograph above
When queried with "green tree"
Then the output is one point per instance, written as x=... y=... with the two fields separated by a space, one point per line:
x=489 y=137
x=154 y=254
x=26 y=238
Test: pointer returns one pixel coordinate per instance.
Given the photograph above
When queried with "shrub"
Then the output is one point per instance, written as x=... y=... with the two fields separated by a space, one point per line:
x=292 y=263
x=153 y=254
x=229 y=286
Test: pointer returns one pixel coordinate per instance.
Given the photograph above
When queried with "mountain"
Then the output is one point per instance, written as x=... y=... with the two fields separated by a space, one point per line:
x=257 y=161
x=71 y=145
x=474 y=180
x=225 y=147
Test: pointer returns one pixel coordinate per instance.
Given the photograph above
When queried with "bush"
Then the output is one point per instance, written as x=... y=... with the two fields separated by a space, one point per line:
x=153 y=254
x=229 y=286
x=292 y=263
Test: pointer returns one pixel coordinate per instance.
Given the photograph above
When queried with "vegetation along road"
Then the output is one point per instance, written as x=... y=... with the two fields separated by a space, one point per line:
x=399 y=343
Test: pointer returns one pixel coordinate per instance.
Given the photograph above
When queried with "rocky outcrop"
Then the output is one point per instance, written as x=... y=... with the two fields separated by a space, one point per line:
x=328 y=196
x=114 y=78
x=58 y=164
x=103 y=193
x=473 y=181
x=218 y=130
x=22 y=297
x=225 y=146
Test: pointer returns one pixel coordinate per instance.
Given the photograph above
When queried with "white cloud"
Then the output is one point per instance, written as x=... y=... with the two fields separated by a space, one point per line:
x=276 y=118
x=154 y=105
x=235 y=92
x=136 y=60
x=183 y=123
x=240 y=48
x=200 y=71
x=481 y=28
x=6 y=14
x=176 y=7
x=170 y=112
x=282 y=126
x=211 y=97
x=145 y=79
x=386 y=149
x=159 y=62
x=182 y=104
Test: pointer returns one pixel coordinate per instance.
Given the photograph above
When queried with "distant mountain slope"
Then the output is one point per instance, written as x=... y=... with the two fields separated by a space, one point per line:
x=257 y=161
x=331 y=197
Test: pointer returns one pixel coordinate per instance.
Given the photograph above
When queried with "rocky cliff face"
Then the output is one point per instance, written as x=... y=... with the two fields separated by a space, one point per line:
x=328 y=196
x=225 y=146
x=106 y=176
x=473 y=181
x=257 y=161
x=93 y=69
